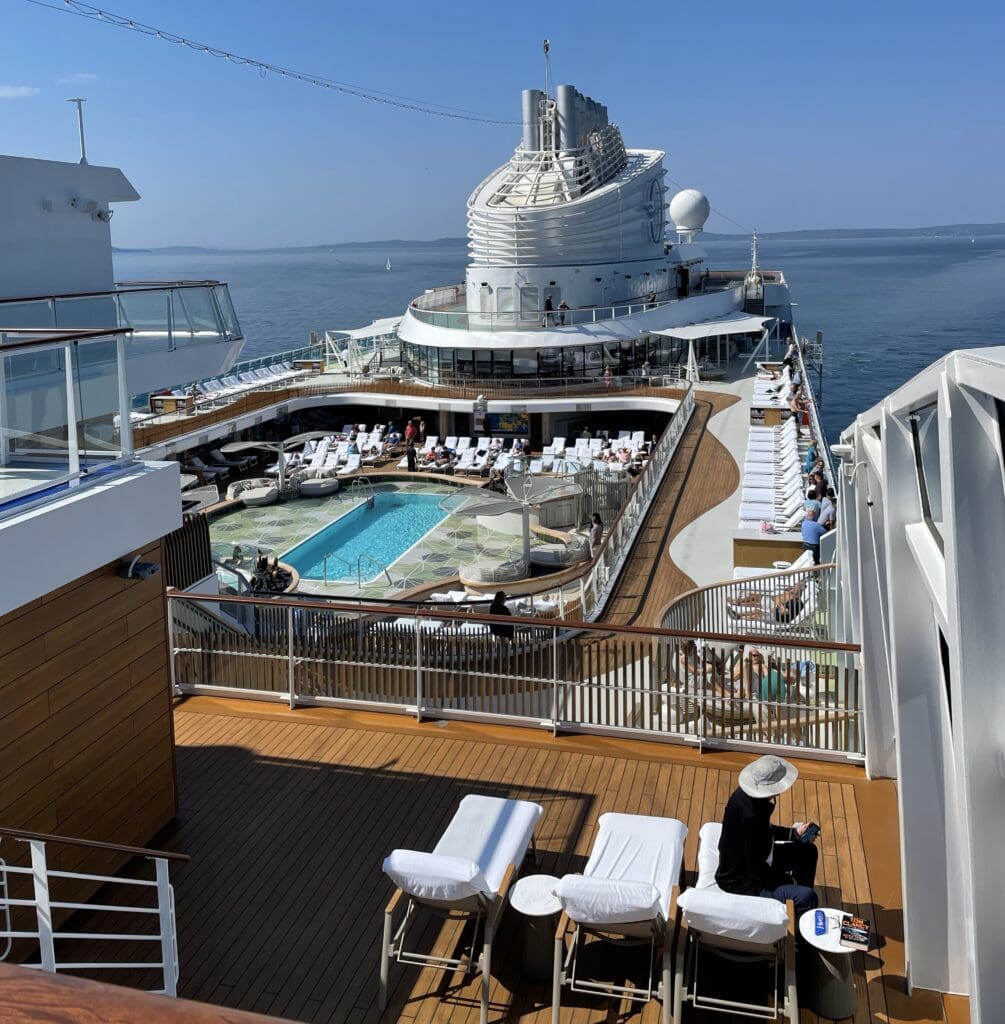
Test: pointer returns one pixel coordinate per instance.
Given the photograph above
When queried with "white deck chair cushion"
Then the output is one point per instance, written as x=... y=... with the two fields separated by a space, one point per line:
x=754 y=919
x=638 y=848
x=600 y=901
x=707 y=908
x=434 y=877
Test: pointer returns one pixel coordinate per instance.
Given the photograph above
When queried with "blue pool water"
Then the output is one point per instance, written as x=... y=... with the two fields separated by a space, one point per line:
x=383 y=534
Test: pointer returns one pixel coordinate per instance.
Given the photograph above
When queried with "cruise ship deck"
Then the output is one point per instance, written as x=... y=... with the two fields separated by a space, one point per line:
x=287 y=816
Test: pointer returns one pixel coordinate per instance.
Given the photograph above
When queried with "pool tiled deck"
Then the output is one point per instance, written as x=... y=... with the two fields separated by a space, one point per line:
x=454 y=542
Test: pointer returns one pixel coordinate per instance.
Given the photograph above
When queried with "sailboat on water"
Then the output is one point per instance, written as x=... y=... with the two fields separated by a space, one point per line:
x=388 y=267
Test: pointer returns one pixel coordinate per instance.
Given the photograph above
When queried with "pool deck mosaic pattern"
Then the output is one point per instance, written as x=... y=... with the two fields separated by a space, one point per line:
x=457 y=541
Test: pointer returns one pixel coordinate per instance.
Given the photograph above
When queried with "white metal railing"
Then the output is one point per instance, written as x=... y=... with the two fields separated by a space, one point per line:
x=563 y=676
x=600 y=580
x=535 y=319
x=49 y=917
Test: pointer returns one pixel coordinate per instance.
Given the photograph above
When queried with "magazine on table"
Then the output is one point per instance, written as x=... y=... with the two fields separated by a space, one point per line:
x=855 y=932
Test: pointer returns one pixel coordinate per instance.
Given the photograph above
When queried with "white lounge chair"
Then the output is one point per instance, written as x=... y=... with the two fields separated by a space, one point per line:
x=626 y=894
x=733 y=929
x=468 y=874
x=351 y=466
x=317 y=483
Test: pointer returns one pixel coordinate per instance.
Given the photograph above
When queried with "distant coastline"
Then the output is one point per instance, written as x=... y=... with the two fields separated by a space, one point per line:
x=812 y=234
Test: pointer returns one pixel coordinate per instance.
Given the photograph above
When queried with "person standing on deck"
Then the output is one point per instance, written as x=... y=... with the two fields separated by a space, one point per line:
x=412 y=457
x=812 y=531
x=549 y=311
x=563 y=308
x=596 y=533
x=498 y=607
x=422 y=431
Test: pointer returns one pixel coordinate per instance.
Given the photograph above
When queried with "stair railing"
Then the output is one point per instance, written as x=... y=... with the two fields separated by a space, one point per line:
x=45 y=909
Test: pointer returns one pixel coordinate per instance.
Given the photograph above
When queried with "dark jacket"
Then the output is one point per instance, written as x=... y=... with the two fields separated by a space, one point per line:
x=745 y=845
x=500 y=628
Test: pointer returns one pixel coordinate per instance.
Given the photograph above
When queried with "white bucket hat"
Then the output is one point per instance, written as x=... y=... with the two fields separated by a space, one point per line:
x=767 y=776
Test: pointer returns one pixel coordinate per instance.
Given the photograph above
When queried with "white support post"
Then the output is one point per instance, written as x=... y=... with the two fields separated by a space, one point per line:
x=165 y=916
x=43 y=912
x=4 y=410
x=171 y=648
x=72 y=441
x=554 y=682
x=125 y=423
x=291 y=664
x=418 y=669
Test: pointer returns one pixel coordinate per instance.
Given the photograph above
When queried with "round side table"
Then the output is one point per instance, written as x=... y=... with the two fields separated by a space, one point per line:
x=531 y=897
x=830 y=988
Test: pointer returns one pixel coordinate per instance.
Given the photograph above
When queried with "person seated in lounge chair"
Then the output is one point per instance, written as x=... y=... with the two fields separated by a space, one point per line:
x=757 y=858
x=761 y=606
x=749 y=676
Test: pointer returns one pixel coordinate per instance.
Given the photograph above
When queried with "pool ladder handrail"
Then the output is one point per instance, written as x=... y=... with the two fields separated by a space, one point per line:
x=337 y=558
x=363 y=483
x=373 y=561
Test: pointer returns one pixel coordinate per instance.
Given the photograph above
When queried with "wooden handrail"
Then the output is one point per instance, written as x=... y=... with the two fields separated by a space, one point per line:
x=93 y=844
x=750 y=579
x=435 y=612
x=58 y=335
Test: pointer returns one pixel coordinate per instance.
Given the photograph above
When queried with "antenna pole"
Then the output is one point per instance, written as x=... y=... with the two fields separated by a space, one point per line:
x=79 y=101
x=547 y=69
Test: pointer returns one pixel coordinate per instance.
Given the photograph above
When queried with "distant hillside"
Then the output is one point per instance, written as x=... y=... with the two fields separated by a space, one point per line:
x=937 y=231
x=390 y=243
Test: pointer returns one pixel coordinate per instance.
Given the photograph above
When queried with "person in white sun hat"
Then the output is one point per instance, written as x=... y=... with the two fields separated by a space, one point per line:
x=757 y=858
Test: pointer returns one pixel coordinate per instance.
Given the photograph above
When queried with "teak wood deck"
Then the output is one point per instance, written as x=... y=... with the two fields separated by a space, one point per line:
x=287 y=817
x=701 y=475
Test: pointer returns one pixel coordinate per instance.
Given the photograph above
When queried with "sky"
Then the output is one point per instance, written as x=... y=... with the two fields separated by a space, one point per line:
x=791 y=114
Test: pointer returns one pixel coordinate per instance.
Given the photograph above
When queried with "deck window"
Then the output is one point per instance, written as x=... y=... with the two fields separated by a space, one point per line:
x=524 y=363
x=464 y=364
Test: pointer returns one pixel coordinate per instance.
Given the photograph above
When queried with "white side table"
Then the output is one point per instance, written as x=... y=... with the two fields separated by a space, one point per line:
x=531 y=896
x=830 y=988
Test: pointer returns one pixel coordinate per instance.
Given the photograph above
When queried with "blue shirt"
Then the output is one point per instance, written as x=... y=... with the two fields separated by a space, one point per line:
x=812 y=531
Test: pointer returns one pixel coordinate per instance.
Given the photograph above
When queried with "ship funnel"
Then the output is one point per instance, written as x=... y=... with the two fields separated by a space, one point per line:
x=532 y=99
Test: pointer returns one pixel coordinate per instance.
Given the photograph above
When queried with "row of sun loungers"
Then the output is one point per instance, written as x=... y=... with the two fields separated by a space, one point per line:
x=628 y=892
x=225 y=388
x=773 y=488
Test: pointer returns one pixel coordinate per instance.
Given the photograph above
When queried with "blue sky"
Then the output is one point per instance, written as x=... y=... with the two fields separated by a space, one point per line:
x=789 y=115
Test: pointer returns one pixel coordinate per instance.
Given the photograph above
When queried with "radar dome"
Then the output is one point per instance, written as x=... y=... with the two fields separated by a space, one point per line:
x=689 y=209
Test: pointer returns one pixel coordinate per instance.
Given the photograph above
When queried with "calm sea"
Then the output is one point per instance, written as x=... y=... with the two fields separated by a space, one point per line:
x=887 y=307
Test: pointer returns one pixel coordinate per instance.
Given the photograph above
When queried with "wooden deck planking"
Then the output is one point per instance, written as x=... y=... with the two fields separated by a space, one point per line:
x=287 y=816
x=702 y=475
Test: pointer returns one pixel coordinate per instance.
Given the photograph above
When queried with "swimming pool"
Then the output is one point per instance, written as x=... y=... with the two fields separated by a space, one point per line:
x=373 y=537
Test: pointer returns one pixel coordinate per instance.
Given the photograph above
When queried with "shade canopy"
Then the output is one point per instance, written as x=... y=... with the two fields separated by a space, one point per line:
x=735 y=323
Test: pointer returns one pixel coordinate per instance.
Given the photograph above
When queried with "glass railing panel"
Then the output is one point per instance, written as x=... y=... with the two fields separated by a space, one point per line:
x=31 y=313
x=86 y=311
x=59 y=415
x=96 y=381
x=34 y=434
x=148 y=313
x=196 y=315
x=230 y=321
